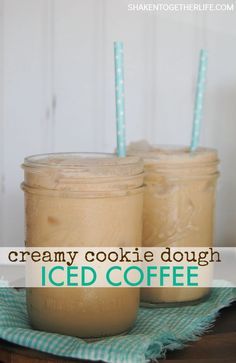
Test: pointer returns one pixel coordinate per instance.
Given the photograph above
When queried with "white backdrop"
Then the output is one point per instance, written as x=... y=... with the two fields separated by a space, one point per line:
x=57 y=88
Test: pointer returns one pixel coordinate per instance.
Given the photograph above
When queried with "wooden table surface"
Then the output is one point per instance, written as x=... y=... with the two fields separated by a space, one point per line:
x=217 y=346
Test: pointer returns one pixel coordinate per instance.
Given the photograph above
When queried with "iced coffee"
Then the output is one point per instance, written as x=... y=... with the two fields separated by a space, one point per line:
x=83 y=200
x=179 y=205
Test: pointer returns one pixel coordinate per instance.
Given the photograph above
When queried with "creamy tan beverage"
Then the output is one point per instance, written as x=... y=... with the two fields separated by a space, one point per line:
x=83 y=200
x=179 y=204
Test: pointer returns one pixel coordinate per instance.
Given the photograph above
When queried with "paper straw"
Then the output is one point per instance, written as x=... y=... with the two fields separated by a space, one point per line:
x=120 y=105
x=197 y=117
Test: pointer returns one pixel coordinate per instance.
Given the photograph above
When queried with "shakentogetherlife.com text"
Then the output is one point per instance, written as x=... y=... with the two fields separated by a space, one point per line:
x=181 y=7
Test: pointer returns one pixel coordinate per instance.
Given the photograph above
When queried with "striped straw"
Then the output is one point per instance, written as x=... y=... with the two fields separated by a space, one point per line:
x=120 y=105
x=197 y=118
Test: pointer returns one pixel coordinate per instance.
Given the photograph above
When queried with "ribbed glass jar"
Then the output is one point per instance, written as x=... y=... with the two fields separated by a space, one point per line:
x=83 y=200
x=179 y=205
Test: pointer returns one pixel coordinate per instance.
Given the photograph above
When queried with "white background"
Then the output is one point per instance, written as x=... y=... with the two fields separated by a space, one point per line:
x=57 y=88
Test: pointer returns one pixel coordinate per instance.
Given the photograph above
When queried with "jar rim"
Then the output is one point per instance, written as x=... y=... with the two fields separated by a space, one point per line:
x=84 y=164
x=81 y=159
x=174 y=154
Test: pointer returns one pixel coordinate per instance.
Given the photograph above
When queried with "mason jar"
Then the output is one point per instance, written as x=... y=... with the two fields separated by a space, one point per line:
x=179 y=206
x=83 y=200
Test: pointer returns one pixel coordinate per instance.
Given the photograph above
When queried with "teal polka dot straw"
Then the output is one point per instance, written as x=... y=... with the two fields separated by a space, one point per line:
x=197 y=117
x=120 y=104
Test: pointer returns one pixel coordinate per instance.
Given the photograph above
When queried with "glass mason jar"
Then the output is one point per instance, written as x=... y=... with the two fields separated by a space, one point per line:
x=179 y=204
x=83 y=200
